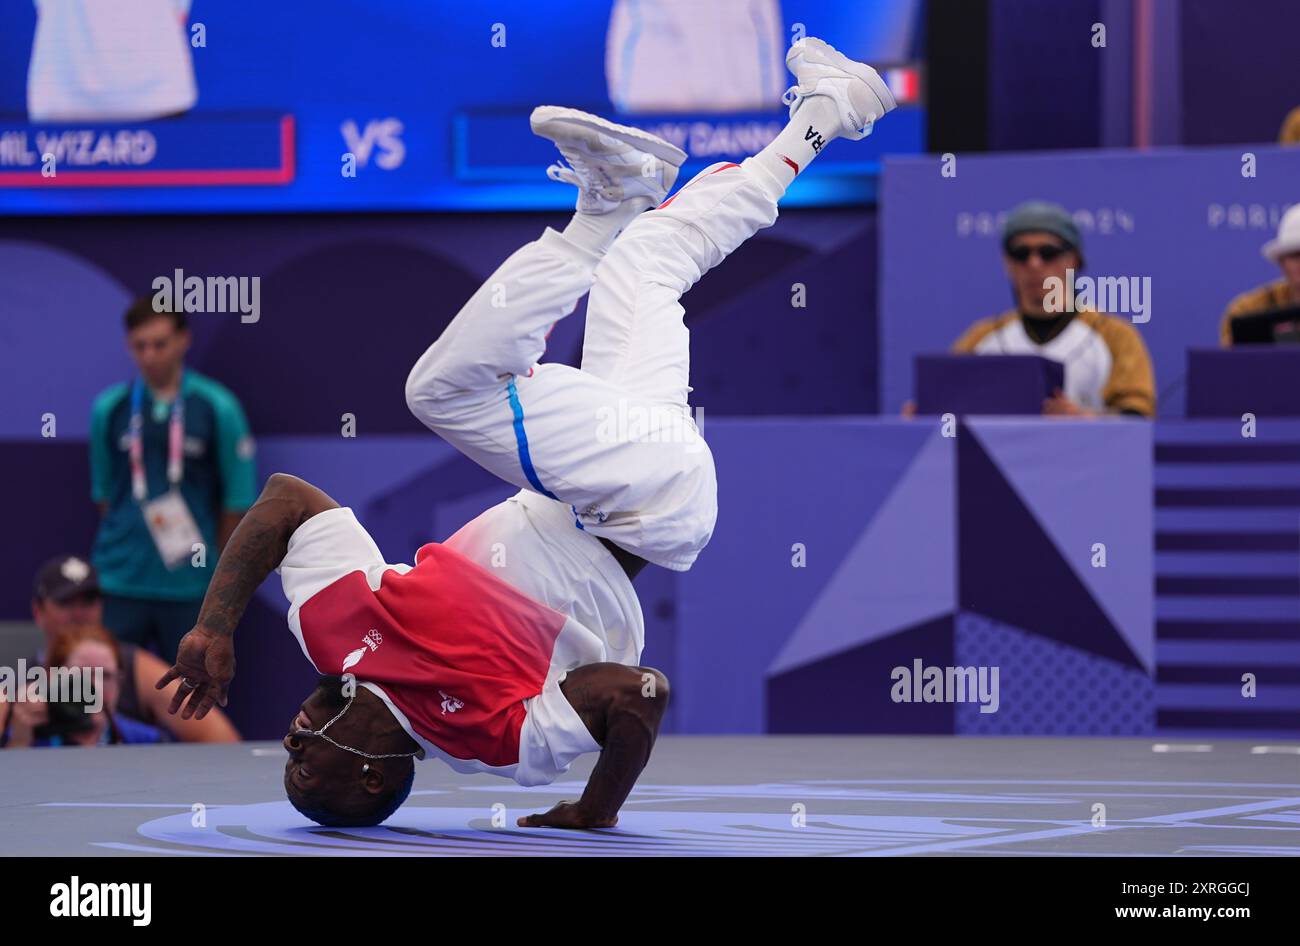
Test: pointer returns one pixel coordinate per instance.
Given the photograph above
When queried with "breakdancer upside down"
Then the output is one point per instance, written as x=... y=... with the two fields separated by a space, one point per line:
x=513 y=647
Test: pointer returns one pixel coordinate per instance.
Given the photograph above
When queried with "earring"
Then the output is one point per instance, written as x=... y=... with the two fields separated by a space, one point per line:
x=366 y=767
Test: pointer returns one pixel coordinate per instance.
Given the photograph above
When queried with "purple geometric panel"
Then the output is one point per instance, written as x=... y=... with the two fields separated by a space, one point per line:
x=1088 y=483
x=1026 y=584
x=1050 y=689
x=899 y=572
x=851 y=692
x=781 y=482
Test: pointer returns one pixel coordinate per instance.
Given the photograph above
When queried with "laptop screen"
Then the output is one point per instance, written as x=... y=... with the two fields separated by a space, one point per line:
x=1274 y=327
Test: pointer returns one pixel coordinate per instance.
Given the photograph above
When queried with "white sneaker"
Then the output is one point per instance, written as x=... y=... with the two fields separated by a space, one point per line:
x=608 y=163
x=862 y=96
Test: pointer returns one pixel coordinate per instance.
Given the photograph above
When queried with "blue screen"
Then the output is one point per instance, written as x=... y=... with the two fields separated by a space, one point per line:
x=241 y=106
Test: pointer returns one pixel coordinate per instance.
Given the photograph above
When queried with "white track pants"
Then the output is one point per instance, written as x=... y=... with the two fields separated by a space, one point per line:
x=614 y=440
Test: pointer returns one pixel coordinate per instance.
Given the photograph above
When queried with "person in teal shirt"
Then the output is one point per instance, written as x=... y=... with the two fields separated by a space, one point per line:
x=172 y=469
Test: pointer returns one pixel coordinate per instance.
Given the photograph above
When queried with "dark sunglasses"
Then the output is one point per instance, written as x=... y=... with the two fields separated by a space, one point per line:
x=1045 y=253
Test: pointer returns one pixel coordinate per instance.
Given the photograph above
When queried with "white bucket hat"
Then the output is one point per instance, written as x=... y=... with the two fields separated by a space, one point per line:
x=1288 y=236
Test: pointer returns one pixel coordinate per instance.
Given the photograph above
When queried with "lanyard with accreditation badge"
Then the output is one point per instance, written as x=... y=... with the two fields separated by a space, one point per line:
x=175 y=440
x=170 y=522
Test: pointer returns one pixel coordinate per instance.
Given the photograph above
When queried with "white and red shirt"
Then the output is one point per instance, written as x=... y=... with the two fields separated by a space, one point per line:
x=531 y=542
x=455 y=651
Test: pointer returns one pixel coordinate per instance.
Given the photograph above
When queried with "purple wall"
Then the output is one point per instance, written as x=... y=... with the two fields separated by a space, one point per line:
x=1241 y=75
x=1044 y=75
x=386 y=286
x=1050 y=89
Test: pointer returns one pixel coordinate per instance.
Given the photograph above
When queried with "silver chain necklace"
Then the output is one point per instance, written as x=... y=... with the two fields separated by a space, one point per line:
x=366 y=755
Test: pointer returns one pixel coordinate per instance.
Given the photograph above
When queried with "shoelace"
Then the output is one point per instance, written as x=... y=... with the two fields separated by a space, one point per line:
x=560 y=172
x=578 y=173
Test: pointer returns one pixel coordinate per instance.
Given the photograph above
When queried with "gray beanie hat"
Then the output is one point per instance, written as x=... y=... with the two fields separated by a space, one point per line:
x=1041 y=216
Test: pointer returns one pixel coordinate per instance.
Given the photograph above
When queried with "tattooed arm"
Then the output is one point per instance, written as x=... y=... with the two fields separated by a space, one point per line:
x=206 y=656
x=622 y=708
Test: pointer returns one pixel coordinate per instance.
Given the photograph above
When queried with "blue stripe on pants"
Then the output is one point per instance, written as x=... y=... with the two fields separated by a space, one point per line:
x=521 y=438
x=525 y=457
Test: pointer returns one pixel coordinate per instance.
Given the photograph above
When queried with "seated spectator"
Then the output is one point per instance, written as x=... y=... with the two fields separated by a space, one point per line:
x=1290 y=133
x=67 y=593
x=1107 y=368
x=1284 y=250
x=88 y=719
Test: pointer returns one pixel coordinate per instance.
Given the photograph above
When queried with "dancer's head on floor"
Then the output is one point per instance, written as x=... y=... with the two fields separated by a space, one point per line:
x=350 y=762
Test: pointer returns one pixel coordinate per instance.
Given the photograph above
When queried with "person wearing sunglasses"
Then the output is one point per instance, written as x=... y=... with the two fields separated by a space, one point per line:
x=1107 y=367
